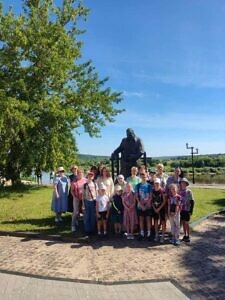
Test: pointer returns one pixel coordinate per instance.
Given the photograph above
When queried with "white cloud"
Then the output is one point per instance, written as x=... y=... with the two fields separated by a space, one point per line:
x=190 y=73
x=133 y=94
x=187 y=121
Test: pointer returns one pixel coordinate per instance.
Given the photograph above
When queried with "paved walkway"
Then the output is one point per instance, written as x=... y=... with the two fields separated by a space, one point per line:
x=198 y=269
x=208 y=186
x=19 y=287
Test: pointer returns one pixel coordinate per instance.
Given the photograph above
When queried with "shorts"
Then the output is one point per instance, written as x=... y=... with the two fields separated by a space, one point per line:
x=144 y=213
x=102 y=215
x=117 y=218
x=161 y=215
x=185 y=216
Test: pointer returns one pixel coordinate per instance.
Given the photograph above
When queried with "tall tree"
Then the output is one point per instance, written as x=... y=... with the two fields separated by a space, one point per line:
x=45 y=93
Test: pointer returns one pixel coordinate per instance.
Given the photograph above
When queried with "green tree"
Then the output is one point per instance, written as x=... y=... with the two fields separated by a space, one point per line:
x=46 y=93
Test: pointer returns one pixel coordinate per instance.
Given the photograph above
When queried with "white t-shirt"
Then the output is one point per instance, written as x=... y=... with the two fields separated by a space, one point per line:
x=102 y=202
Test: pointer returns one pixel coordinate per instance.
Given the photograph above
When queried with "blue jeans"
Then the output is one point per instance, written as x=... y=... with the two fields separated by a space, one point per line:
x=89 y=216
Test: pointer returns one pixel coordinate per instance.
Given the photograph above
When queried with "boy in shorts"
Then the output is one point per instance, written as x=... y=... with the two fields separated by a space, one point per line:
x=187 y=205
x=144 y=210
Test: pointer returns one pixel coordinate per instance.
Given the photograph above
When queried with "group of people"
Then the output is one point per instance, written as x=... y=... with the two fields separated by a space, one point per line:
x=143 y=202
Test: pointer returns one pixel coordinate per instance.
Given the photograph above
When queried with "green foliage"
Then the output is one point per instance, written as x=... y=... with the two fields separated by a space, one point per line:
x=200 y=161
x=45 y=93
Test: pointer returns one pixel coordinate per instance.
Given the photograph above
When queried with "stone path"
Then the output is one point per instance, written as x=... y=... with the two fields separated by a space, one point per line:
x=20 y=287
x=198 y=268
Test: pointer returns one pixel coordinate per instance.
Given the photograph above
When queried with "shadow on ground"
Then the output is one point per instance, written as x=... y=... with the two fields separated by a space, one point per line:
x=220 y=202
x=56 y=233
x=52 y=228
x=11 y=192
x=206 y=263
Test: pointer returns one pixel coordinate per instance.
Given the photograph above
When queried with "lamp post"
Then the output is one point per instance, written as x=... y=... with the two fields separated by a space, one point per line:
x=192 y=160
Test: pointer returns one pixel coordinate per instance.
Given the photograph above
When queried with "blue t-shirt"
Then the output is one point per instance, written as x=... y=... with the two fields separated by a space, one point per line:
x=143 y=190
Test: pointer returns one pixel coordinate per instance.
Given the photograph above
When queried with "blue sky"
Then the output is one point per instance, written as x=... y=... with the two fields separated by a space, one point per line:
x=168 y=59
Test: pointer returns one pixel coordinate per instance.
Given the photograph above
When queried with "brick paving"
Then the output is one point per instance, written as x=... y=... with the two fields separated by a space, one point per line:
x=198 y=268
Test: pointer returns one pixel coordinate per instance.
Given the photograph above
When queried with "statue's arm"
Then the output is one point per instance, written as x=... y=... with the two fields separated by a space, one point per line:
x=117 y=150
x=141 y=147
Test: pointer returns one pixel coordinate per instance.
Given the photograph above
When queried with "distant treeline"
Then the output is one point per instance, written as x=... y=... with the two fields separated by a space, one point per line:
x=200 y=161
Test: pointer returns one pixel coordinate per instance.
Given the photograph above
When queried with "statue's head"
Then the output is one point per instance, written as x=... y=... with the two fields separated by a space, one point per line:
x=130 y=133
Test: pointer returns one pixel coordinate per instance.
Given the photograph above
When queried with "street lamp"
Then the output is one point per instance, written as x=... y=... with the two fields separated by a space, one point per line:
x=192 y=160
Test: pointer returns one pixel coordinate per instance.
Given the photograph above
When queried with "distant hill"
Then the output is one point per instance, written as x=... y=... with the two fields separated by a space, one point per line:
x=177 y=157
x=86 y=157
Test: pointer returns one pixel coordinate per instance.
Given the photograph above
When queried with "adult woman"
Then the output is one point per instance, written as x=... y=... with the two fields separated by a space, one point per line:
x=173 y=179
x=90 y=192
x=106 y=179
x=60 y=194
x=134 y=179
x=160 y=174
x=72 y=178
x=77 y=193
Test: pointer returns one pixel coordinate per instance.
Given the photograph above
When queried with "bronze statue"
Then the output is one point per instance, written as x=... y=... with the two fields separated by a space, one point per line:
x=131 y=149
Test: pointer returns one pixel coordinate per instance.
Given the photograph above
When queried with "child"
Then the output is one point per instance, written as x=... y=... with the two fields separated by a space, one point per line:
x=174 y=204
x=117 y=210
x=120 y=181
x=144 y=210
x=158 y=201
x=130 y=216
x=187 y=205
x=102 y=209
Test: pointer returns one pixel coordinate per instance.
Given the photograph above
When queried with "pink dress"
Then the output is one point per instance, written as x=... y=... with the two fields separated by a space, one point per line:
x=129 y=216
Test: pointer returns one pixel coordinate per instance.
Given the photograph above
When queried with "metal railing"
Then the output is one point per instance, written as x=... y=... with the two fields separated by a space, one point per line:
x=115 y=164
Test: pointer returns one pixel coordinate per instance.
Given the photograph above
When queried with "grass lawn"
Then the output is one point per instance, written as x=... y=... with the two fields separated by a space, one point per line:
x=207 y=201
x=28 y=209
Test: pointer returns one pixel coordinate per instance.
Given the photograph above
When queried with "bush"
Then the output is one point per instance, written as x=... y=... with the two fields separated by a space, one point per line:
x=210 y=178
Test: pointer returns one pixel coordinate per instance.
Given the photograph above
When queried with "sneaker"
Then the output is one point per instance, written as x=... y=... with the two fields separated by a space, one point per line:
x=140 y=237
x=171 y=241
x=184 y=238
x=60 y=219
x=156 y=238
x=128 y=237
x=56 y=220
x=176 y=242
x=187 y=240
x=161 y=239
x=73 y=229
x=131 y=237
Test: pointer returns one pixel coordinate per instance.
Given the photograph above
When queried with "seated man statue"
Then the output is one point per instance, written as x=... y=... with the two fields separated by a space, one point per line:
x=131 y=149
